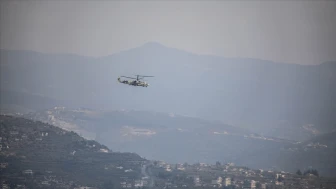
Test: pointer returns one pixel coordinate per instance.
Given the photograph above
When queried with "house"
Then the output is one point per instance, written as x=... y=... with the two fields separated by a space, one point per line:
x=44 y=134
x=217 y=182
x=168 y=184
x=249 y=184
x=181 y=168
x=197 y=180
x=279 y=183
x=3 y=165
x=13 y=133
x=227 y=181
x=168 y=168
x=161 y=163
x=138 y=183
x=103 y=150
x=28 y=172
x=45 y=183
x=123 y=184
x=145 y=182
x=5 y=186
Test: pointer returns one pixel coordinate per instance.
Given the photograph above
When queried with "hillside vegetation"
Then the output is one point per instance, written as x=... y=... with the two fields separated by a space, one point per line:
x=59 y=157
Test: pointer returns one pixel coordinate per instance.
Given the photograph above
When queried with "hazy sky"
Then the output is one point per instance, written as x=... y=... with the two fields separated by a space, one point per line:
x=286 y=31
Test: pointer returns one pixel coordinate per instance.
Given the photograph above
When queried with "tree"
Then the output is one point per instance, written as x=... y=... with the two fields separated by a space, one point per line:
x=311 y=171
x=315 y=172
x=280 y=179
x=108 y=185
x=258 y=185
x=298 y=172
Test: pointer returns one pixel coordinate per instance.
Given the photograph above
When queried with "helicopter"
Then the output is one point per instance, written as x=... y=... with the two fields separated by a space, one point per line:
x=136 y=82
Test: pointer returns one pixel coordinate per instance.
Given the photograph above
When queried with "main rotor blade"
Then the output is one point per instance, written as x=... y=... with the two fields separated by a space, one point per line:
x=128 y=77
x=144 y=76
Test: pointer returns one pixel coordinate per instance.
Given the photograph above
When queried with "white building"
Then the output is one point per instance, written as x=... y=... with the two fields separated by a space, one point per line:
x=138 y=183
x=197 y=181
x=227 y=181
x=103 y=150
x=29 y=171
x=219 y=180
x=249 y=184
x=253 y=184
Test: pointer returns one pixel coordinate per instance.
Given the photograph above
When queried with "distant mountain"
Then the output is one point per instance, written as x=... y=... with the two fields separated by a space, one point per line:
x=271 y=98
x=40 y=155
x=21 y=102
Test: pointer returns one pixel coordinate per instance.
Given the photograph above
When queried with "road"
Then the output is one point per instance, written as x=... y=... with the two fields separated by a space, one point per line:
x=147 y=173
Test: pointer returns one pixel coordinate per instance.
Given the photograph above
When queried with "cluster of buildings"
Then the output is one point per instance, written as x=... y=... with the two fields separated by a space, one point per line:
x=131 y=131
x=316 y=145
x=228 y=175
x=139 y=183
x=219 y=182
x=200 y=175
x=13 y=139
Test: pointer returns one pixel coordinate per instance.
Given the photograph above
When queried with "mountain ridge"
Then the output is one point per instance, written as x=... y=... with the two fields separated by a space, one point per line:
x=156 y=45
x=254 y=94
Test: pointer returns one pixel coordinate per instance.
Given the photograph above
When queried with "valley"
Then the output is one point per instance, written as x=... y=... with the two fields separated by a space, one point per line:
x=39 y=155
x=160 y=136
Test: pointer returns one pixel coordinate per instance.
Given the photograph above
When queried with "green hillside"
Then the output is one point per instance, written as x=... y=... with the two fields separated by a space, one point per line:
x=58 y=157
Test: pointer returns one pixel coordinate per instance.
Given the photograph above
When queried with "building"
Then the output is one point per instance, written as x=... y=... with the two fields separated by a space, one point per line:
x=14 y=133
x=3 y=165
x=253 y=184
x=5 y=186
x=227 y=181
x=138 y=183
x=28 y=172
x=197 y=181
x=45 y=183
x=249 y=184
x=219 y=180
x=123 y=184
x=168 y=168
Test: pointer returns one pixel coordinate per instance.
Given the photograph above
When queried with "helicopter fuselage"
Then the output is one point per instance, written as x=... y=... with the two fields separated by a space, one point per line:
x=134 y=82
